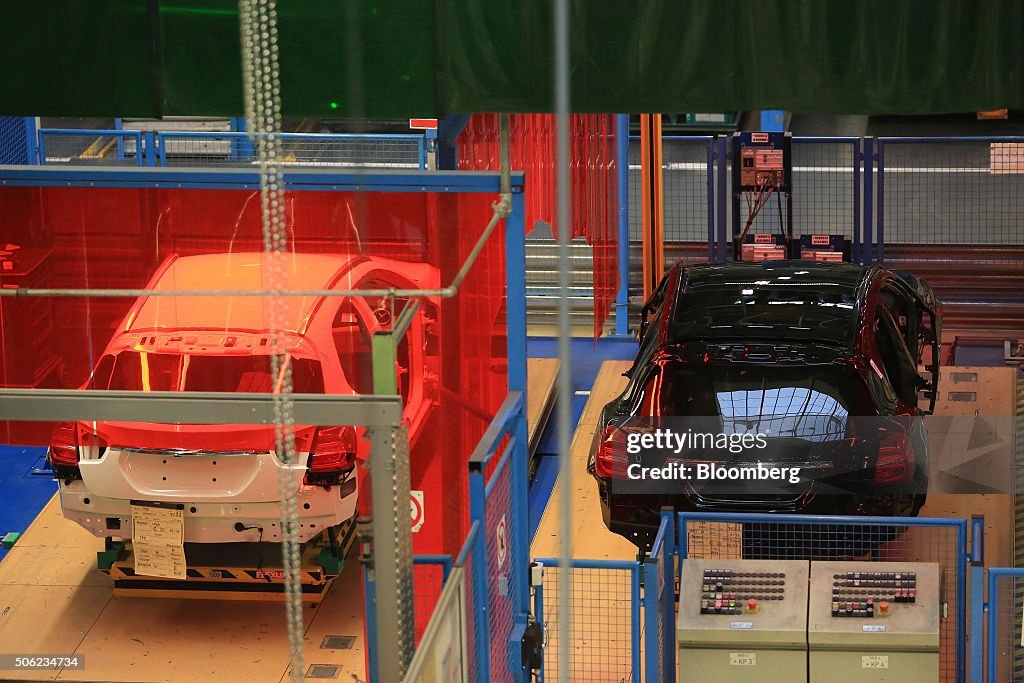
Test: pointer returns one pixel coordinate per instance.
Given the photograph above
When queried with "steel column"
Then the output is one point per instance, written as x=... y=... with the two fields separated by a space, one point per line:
x=868 y=250
x=622 y=158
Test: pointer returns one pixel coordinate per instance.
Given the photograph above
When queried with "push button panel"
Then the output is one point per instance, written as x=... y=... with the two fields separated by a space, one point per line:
x=729 y=591
x=870 y=594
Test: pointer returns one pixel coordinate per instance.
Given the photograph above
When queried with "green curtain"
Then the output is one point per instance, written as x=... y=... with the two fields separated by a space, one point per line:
x=398 y=58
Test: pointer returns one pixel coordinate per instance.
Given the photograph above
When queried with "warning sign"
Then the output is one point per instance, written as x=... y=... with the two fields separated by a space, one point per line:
x=416 y=510
x=501 y=541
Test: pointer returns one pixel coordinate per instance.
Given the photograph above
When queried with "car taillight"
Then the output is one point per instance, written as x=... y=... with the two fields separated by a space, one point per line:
x=332 y=454
x=63 y=453
x=612 y=459
x=895 y=459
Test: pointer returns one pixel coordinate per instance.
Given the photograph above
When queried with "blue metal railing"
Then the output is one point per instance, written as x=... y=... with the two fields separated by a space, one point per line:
x=220 y=148
x=952 y=554
x=659 y=605
x=488 y=497
x=58 y=145
x=596 y=631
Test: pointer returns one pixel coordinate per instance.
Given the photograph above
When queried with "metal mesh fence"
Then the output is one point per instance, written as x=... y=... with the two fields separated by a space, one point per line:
x=907 y=540
x=605 y=615
x=472 y=656
x=686 y=188
x=14 y=145
x=85 y=148
x=428 y=578
x=659 y=605
x=1006 y=651
x=951 y=191
x=330 y=150
x=824 y=193
x=499 y=530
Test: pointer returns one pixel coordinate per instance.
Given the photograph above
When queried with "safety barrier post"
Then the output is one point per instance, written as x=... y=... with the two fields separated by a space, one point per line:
x=622 y=159
x=150 y=148
x=538 y=614
x=41 y=146
x=481 y=621
x=977 y=595
x=868 y=250
x=880 y=214
x=858 y=159
x=711 y=199
x=723 y=194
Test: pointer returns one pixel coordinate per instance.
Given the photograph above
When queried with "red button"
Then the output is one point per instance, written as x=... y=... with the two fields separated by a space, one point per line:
x=752 y=603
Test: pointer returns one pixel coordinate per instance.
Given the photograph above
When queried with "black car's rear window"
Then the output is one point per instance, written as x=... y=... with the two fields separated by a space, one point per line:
x=773 y=309
x=768 y=394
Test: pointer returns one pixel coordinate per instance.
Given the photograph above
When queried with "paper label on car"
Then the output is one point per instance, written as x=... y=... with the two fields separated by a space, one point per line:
x=874 y=661
x=742 y=659
x=158 y=541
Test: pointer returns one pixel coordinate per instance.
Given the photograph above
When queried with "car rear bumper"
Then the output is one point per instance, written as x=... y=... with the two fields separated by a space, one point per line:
x=637 y=517
x=214 y=522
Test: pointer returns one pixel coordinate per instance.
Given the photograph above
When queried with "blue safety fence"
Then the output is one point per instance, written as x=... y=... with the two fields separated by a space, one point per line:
x=497 y=502
x=862 y=539
x=605 y=624
x=18 y=140
x=88 y=147
x=659 y=602
x=228 y=149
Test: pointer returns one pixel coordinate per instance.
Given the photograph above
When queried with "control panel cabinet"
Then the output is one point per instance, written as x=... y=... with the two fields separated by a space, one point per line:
x=742 y=621
x=873 y=621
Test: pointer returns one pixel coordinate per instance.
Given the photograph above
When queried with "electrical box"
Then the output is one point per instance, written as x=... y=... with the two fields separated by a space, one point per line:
x=761 y=168
x=873 y=621
x=742 y=621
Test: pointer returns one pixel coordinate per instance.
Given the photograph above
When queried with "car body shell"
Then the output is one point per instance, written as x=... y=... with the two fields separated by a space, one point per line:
x=226 y=477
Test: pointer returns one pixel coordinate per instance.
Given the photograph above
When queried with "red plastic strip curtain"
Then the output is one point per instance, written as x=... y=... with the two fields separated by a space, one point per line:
x=594 y=205
x=454 y=377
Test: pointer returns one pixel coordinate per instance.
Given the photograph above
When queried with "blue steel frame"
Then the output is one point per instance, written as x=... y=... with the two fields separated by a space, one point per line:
x=963 y=552
x=994 y=574
x=242 y=144
x=511 y=419
x=119 y=135
x=613 y=565
x=976 y=633
x=659 y=604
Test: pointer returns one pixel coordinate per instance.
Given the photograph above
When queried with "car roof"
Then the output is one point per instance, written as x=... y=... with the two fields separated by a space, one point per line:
x=237 y=272
x=704 y=274
x=735 y=301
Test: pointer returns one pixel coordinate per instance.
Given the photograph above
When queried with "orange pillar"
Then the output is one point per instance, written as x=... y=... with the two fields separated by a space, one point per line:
x=652 y=208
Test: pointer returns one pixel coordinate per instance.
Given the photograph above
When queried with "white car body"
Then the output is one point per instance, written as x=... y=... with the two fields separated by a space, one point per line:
x=225 y=477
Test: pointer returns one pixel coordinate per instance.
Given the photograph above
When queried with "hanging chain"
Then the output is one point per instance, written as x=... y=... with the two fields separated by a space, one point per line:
x=261 y=77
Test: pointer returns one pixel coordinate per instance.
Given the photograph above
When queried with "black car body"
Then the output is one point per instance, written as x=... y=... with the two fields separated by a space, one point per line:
x=801 y=350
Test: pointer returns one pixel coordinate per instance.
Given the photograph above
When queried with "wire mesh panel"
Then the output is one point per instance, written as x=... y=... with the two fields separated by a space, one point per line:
x=659 y=605
x=90 y=147
x=952 y=191
x=499 y=530
x=686 y=188
x=604 y=625
x=180 y=148
x=428 y=577
x=1005 y=626
x=871 y=539
x=952 y=206
x=14 y=140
